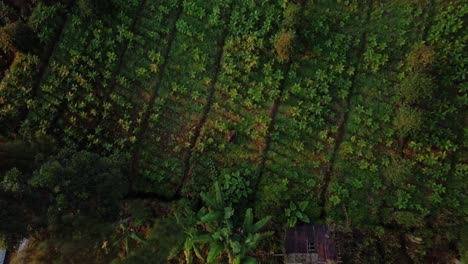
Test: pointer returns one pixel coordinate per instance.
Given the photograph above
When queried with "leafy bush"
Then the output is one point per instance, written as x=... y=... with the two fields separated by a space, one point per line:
x=416 y=89
x=17 y=37
x=42 y=20
x=408 y=219
x=162 y=242
x=297 y=212
x=271 y=198
x=94 y=8
x=398 y=171
x=283 y=44
x=12 y=181
x=291 y=15
x=221 y=231
x=83 y=182
x=421 y=58
x=408 y=120
x=236 y=185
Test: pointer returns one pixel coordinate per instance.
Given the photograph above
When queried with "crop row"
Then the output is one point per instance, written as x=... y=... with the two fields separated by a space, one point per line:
x=183 y=93
x=368 y=157
x=19 y=86
x=78 y=73
x=307 y=121
x=234 y=135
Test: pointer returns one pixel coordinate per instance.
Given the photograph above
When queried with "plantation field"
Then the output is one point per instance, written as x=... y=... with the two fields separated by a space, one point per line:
x=355 y=109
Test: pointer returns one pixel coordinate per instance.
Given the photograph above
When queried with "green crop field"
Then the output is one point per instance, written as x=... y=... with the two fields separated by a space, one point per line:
x=198 y=131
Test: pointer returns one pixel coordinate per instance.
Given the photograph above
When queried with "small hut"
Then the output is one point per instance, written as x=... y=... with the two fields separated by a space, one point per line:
x=310 y=244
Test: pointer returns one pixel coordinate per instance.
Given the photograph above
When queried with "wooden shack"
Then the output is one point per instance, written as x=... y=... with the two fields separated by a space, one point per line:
x=310 y=244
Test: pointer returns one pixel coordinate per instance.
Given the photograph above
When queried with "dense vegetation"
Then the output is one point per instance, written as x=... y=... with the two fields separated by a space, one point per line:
x=197 y=131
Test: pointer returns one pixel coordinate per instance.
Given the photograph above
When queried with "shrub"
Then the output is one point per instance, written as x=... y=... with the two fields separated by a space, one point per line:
x=93 y=8
x=408 y=219
x=17 y=37
x=398 y=171
x=283 y=44
x=43 y=20
x=271 y=198
x=291 y=15
x=421 y=58
x=408 y=120
x=236 y=185
x=83 y=182
x=416 y=89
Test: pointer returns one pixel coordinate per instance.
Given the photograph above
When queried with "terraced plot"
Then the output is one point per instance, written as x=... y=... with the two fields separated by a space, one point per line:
x=355 y=108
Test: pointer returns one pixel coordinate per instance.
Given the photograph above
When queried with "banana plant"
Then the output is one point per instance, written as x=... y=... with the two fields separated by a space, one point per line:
x=218 y=231
x=127 y=235
x=190 y=244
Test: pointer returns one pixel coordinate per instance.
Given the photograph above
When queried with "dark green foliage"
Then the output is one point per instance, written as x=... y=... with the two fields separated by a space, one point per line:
x=408 y=219
x=297 y=213
x=398 y=171
x=291 y=15
x=139 y=212
x=73 y=193
x=22 y=207
x=44 y=19
x=272 y=199
x=25 y=155
x=78 y=195
x=8 y=14
x=417 y=88
x=224 y=232
x=408 y=120
x=284 y=44
x=18 y=37
x=213 y=169
x=94 y=8
x=236 y=186
x=350 y=113
x=163 y=241
x=82 y=183
x=421 y=58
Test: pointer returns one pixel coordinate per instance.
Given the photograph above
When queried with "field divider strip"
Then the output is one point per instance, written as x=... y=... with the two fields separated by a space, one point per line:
x=44 y=62
x=271 y=127
x=45 y=58
x=342 y=126
x=63 y=107
x=136 y=155
x=120 y=62
x=210 y=100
